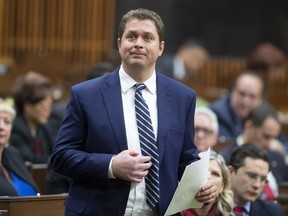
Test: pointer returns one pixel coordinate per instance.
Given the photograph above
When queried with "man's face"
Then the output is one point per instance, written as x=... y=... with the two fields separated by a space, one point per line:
x=263 y=136
x=139 y=46
x=246 y=95
x=205 y=137
x=248 y=181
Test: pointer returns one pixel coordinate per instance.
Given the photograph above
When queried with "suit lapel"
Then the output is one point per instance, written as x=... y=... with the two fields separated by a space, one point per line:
x=164 y=103
x=113 y=102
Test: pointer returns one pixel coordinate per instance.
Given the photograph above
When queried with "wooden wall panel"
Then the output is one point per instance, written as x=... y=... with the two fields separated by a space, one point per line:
x=82 y=30
x=76 y=33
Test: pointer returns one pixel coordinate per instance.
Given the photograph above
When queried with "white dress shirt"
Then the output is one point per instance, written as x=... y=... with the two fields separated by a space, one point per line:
x=136 y=204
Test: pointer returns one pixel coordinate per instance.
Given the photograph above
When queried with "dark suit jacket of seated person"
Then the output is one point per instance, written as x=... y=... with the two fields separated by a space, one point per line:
x=15 y=179
x=261 y=126
x=246 y=92
x=249 y=169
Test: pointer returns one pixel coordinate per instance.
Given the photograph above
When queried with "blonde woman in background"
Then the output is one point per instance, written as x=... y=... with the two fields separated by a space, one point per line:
x=223 y=205
x=15 y=179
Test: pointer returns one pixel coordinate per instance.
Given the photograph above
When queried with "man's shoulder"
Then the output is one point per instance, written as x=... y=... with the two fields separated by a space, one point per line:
x=98 y=82
x=220 y=103
x=269 y=208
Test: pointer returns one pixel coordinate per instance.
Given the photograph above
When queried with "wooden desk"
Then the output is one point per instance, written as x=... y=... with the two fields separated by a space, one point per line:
x=46 y=205
x=38 y=172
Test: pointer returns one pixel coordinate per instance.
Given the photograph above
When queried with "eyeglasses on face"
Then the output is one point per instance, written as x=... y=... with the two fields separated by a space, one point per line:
x=254 y=177
x=206 y=131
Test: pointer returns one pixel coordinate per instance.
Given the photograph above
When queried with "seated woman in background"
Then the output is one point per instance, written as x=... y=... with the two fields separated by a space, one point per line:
x=32 y=94
x=223 y=205
x=15 y=179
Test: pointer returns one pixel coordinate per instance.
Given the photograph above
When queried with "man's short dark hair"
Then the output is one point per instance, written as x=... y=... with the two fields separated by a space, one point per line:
x=259 y=114
x=237 y=159
x=142 y=14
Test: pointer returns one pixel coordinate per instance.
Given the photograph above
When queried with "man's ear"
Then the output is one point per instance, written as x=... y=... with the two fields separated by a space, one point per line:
x=119 y=42
x=161 y=48
x=231 y=169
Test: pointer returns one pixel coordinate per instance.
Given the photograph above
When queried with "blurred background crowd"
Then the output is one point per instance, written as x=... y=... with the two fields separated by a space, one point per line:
x=233 y=54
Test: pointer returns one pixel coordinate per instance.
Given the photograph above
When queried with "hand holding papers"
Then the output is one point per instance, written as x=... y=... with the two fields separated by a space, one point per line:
x=194 y=177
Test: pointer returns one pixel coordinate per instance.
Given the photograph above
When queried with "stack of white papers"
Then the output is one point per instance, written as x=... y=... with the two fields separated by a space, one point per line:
x=194 y=177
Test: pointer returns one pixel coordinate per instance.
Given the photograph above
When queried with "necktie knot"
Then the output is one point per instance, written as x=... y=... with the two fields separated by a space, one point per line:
x=140 y=87
x=239 y=209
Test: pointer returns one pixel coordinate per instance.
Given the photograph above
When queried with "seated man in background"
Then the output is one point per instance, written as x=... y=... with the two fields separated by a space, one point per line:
x=246 y=92
x=261 y=127
x=206 y=129
x=185 y=65
x=249 y=168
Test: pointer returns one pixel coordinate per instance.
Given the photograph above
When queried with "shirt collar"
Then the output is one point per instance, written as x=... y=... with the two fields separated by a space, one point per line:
x=127 y=82
x=179 y=71
x=246 y=206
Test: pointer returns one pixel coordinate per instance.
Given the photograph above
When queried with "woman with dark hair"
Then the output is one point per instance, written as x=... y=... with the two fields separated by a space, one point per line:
x=32 y=95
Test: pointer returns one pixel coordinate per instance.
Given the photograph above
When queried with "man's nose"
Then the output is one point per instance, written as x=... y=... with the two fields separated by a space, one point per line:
x=139 y=42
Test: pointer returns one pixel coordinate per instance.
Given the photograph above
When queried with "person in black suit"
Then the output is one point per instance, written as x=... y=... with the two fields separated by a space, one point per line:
x=15 y=179
x=261 y=127
x=249 y=168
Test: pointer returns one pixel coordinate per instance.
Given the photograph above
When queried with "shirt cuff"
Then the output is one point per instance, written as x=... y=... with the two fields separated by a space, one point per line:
x=110 y=173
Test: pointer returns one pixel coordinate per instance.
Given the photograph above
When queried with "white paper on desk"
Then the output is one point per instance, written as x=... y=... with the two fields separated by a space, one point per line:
x=194 y=177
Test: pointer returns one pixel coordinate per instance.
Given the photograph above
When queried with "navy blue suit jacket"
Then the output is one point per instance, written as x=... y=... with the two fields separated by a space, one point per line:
x=226 y=118
x=263 y=208
x=93 y=130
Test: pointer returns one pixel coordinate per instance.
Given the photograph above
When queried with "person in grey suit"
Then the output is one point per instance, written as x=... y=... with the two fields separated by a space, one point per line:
x=249 y=168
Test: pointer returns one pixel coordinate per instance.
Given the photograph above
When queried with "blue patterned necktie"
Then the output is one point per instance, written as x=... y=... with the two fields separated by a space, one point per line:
x=148 y=146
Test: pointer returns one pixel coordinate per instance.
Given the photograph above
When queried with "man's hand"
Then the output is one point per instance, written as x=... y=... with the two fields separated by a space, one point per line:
x=208 y=193
x=129 y=166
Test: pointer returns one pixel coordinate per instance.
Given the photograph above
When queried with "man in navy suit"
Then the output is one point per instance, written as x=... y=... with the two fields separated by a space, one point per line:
x=246 y=92
x=249 y=169
x=261 y=128
x=98 y=143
